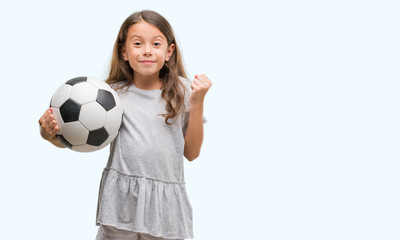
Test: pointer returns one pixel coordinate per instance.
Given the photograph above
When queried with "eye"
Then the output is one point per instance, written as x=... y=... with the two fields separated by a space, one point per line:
x=137 y=43
x=157 y=44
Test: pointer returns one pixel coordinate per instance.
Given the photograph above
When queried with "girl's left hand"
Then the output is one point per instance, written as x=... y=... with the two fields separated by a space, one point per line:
x=200 y=86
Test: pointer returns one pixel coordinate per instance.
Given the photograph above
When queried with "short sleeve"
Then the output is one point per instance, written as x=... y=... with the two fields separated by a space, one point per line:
x=205 y=120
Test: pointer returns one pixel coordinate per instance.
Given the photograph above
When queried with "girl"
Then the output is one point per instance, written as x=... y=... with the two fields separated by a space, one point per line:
x=142 y=190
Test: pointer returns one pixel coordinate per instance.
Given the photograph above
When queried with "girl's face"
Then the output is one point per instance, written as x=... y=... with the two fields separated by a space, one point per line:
x=146 y=49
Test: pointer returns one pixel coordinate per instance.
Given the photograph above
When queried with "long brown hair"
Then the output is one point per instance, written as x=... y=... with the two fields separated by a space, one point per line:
x=172 y=88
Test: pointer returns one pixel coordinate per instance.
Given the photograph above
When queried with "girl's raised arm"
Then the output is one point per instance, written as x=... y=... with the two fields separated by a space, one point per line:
x=195 y=133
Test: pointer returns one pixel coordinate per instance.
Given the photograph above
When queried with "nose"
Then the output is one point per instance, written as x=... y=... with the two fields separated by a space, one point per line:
x=147 y=50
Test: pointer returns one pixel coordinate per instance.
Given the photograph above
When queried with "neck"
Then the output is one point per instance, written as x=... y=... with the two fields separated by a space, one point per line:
x=146 y=82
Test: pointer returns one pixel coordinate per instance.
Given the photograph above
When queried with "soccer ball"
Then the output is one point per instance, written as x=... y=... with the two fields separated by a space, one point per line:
x=88 y=112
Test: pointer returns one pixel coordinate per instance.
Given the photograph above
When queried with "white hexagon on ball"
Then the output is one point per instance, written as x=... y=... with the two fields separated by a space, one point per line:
x=99 y=84
x=92 y=116
x=61 y=95
x=75 y=133
x=83 y=92
x=113 y=120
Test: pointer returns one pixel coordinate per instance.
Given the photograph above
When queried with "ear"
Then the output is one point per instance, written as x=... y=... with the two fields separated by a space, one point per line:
x=124 y=55
x=170 y=51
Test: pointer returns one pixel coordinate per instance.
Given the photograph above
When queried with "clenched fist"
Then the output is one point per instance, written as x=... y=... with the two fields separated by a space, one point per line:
x=48 y=125
x=200 y=86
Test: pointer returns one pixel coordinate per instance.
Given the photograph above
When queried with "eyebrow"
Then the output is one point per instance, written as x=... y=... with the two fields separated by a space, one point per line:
x=138 y=36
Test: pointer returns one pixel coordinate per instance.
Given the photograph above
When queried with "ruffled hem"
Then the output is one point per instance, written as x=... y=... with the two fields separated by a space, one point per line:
x=139 y=204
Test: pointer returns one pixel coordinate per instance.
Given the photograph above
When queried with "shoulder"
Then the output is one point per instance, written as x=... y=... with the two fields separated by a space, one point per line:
x=120 y=87
x=185 y=81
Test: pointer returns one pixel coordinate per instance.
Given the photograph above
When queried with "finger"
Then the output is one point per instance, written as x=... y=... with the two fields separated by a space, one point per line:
x=205 y=79
x=51 y=130
x=47 y=128
x=49 y=122
x=201 y=76
x=49 y=119
x=53 y=124
x=194 y=85
x=54 y=130
x=48 y=112
x=43 y=118
x=196 y=82
x=198 y=78
x=202 y=82
x=200 y=85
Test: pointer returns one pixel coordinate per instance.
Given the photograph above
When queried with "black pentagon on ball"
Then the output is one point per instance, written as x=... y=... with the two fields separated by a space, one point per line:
x=76 y=80
x=64 y=141
x=97 y=137
x=70 y=111
x=106 y=99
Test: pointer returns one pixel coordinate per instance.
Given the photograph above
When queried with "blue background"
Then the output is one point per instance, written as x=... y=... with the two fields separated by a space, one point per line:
x=303 y=133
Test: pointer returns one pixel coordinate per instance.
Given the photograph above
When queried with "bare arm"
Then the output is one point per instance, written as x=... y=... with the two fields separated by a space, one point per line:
x=195 y=131
x=49 y=128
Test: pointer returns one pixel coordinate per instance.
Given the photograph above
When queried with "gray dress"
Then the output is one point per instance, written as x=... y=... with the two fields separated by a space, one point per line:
x=142 y=188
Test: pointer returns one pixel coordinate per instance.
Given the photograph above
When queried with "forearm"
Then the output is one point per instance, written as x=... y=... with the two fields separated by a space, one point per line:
x=57 y=143
x=53 y=140
x=194 y=133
